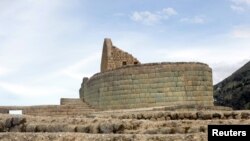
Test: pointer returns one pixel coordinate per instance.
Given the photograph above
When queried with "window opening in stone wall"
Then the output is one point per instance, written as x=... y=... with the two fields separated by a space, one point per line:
x=124 y=63
x=135 y=62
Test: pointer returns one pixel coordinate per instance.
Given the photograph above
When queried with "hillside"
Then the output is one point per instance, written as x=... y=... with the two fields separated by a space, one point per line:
x=234 y=91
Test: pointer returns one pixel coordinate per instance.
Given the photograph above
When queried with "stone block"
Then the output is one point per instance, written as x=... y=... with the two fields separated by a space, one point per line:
x=192 y=80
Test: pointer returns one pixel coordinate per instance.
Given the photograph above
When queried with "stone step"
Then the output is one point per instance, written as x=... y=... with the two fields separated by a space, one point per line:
x=192 y=107
x=62 y=110
x=80 y=104
x=71 y=107
x=71 y=101
x=102 y=137
x=175 y=115
x=97 y=126
x=111 y=128
x=60 y=114
x=59 y=109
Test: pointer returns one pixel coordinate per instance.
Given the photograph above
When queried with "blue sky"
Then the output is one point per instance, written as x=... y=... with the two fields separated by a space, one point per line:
x=48 y=46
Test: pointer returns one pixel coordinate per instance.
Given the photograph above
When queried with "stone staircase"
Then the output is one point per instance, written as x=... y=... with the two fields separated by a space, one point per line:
x=75 y=106
x=74 y=102
x=118 y=126
x=68 y=107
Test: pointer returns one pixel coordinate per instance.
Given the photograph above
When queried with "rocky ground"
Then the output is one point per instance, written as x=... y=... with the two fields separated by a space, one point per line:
x=155 y=125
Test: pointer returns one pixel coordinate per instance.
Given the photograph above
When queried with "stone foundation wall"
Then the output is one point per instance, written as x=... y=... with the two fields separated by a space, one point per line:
x=68 y=107
x=149 y=85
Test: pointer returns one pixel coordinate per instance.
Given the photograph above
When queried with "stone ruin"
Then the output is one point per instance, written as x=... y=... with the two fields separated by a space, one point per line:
x=125 y=83
x=113 y=57
x=177 y=88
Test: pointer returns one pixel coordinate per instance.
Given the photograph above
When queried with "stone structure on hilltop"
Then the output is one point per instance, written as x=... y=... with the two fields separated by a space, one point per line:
x=126 y=83
x=113 y=57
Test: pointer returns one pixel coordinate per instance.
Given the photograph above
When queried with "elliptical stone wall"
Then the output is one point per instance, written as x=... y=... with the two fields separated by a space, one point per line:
x=150 y=85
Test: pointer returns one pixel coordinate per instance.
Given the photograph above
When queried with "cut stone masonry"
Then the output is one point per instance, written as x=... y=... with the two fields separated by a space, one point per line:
x=125 y=83
x=113 y=57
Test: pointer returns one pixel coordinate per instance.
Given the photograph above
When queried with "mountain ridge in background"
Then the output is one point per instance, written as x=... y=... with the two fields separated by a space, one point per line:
x=234 y=91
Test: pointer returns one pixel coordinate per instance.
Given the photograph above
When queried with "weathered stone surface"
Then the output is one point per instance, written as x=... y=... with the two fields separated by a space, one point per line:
x=69 y=128
x=106 y=127
x=228 y=115
x=180 y=116
x=174 y=116
x=207 y=116
x=179 y=130
x=245 y=115
x=41 y=128
x=165 y=130
x=101 y=137
x=18 y=120
x=8 y=123
x=82 y=129
x=200 y=115
x=31 y=128
x=113 y=57
x=217 y=115
x=18 y=128
x=118 y=127
x=152 y=131
x=94 y=129
x=56 y=128
x=146 y=85
x=109 y=125
x=1 y=126
x=193 y=130
x=68 y=107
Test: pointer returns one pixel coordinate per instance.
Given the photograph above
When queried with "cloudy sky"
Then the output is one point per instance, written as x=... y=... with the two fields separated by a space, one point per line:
x=48 y=46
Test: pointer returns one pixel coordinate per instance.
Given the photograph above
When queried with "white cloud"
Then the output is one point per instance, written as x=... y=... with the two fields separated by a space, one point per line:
x=168 y=11
x=241 y=2
x=194 y=20
x=146 y=17
x=237 y=8
x=4 y=71
x=241 y=32
x=240 y=5
x=151 y=18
